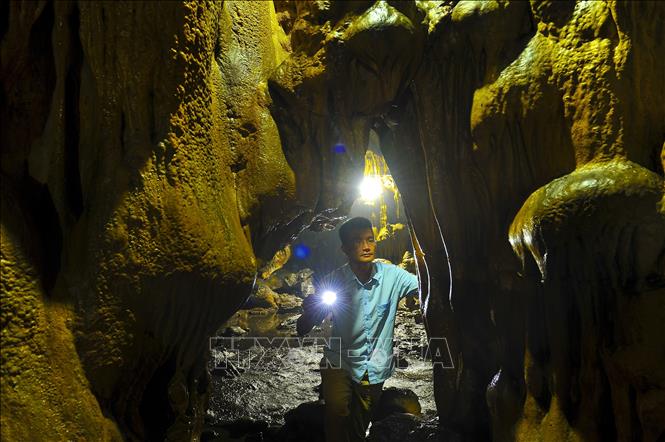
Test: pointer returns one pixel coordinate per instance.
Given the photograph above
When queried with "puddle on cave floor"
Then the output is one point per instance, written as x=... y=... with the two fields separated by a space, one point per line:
x=275 y=377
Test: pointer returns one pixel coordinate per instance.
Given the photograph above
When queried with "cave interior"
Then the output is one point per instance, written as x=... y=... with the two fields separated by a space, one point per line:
x=164 y=163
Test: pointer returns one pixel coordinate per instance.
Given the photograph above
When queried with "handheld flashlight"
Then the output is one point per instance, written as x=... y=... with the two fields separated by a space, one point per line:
x=329 y=297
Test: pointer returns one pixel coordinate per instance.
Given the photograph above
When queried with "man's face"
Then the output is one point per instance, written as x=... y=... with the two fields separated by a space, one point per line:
x=361 y=246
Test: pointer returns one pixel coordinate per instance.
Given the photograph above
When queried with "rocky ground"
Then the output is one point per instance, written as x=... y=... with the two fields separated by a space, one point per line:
x=266 y=381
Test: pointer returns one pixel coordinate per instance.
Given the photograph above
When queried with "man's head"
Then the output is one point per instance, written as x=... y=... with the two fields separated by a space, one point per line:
x=358 y=240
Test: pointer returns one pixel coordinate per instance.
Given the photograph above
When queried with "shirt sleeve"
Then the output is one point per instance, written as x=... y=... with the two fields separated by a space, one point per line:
x=407 y=283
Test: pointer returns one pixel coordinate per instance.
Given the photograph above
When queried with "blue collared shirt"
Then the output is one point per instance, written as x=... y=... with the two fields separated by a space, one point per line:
x=363 y=319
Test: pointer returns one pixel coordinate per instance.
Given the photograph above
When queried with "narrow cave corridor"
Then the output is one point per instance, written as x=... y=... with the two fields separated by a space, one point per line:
x=176 y=175
x=265 y=379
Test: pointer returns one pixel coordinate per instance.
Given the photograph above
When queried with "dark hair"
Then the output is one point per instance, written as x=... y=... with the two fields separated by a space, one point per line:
x=353 y=225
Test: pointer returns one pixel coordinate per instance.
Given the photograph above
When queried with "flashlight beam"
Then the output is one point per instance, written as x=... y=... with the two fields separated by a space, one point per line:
x=329 y=297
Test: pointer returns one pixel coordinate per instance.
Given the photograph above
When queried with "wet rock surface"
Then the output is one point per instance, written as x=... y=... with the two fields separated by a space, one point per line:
x=397 y=400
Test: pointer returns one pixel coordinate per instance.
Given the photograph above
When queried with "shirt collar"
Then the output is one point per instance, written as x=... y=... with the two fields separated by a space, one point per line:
x=377 y=273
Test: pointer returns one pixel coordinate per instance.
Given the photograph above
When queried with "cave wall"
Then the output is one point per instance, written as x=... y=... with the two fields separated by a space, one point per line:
x=154 y=154
x=526 y=139
x=143 y=183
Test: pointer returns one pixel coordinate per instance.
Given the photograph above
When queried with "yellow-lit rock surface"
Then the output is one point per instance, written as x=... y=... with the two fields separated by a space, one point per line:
x=45 y=393
x=138 y=139
x=156 y=154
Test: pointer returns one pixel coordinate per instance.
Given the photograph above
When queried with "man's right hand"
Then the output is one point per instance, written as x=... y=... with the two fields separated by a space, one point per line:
x=313 y=313
x=310 y=302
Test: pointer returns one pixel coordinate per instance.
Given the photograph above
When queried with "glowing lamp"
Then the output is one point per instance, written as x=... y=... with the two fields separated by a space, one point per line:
x=329 y=297
x=370 y=188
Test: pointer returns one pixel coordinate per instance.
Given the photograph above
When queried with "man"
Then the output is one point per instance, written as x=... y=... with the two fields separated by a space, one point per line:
x=360 y=356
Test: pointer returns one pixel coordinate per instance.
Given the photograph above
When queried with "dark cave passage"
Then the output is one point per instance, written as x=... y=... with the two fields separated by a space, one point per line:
x=265 y=380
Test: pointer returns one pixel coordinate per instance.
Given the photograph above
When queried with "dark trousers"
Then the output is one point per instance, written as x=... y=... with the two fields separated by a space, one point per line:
x=349 y=405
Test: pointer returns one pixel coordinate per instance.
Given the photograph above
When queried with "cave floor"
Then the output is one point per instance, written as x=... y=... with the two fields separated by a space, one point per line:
x=267 y=378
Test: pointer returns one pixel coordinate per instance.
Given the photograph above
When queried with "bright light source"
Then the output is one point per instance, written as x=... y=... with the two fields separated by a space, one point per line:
x=370 y=188
x=329 y=297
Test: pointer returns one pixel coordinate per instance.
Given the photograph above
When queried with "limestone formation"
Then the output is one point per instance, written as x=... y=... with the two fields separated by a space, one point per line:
x=156 y=154
x=144 y=182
